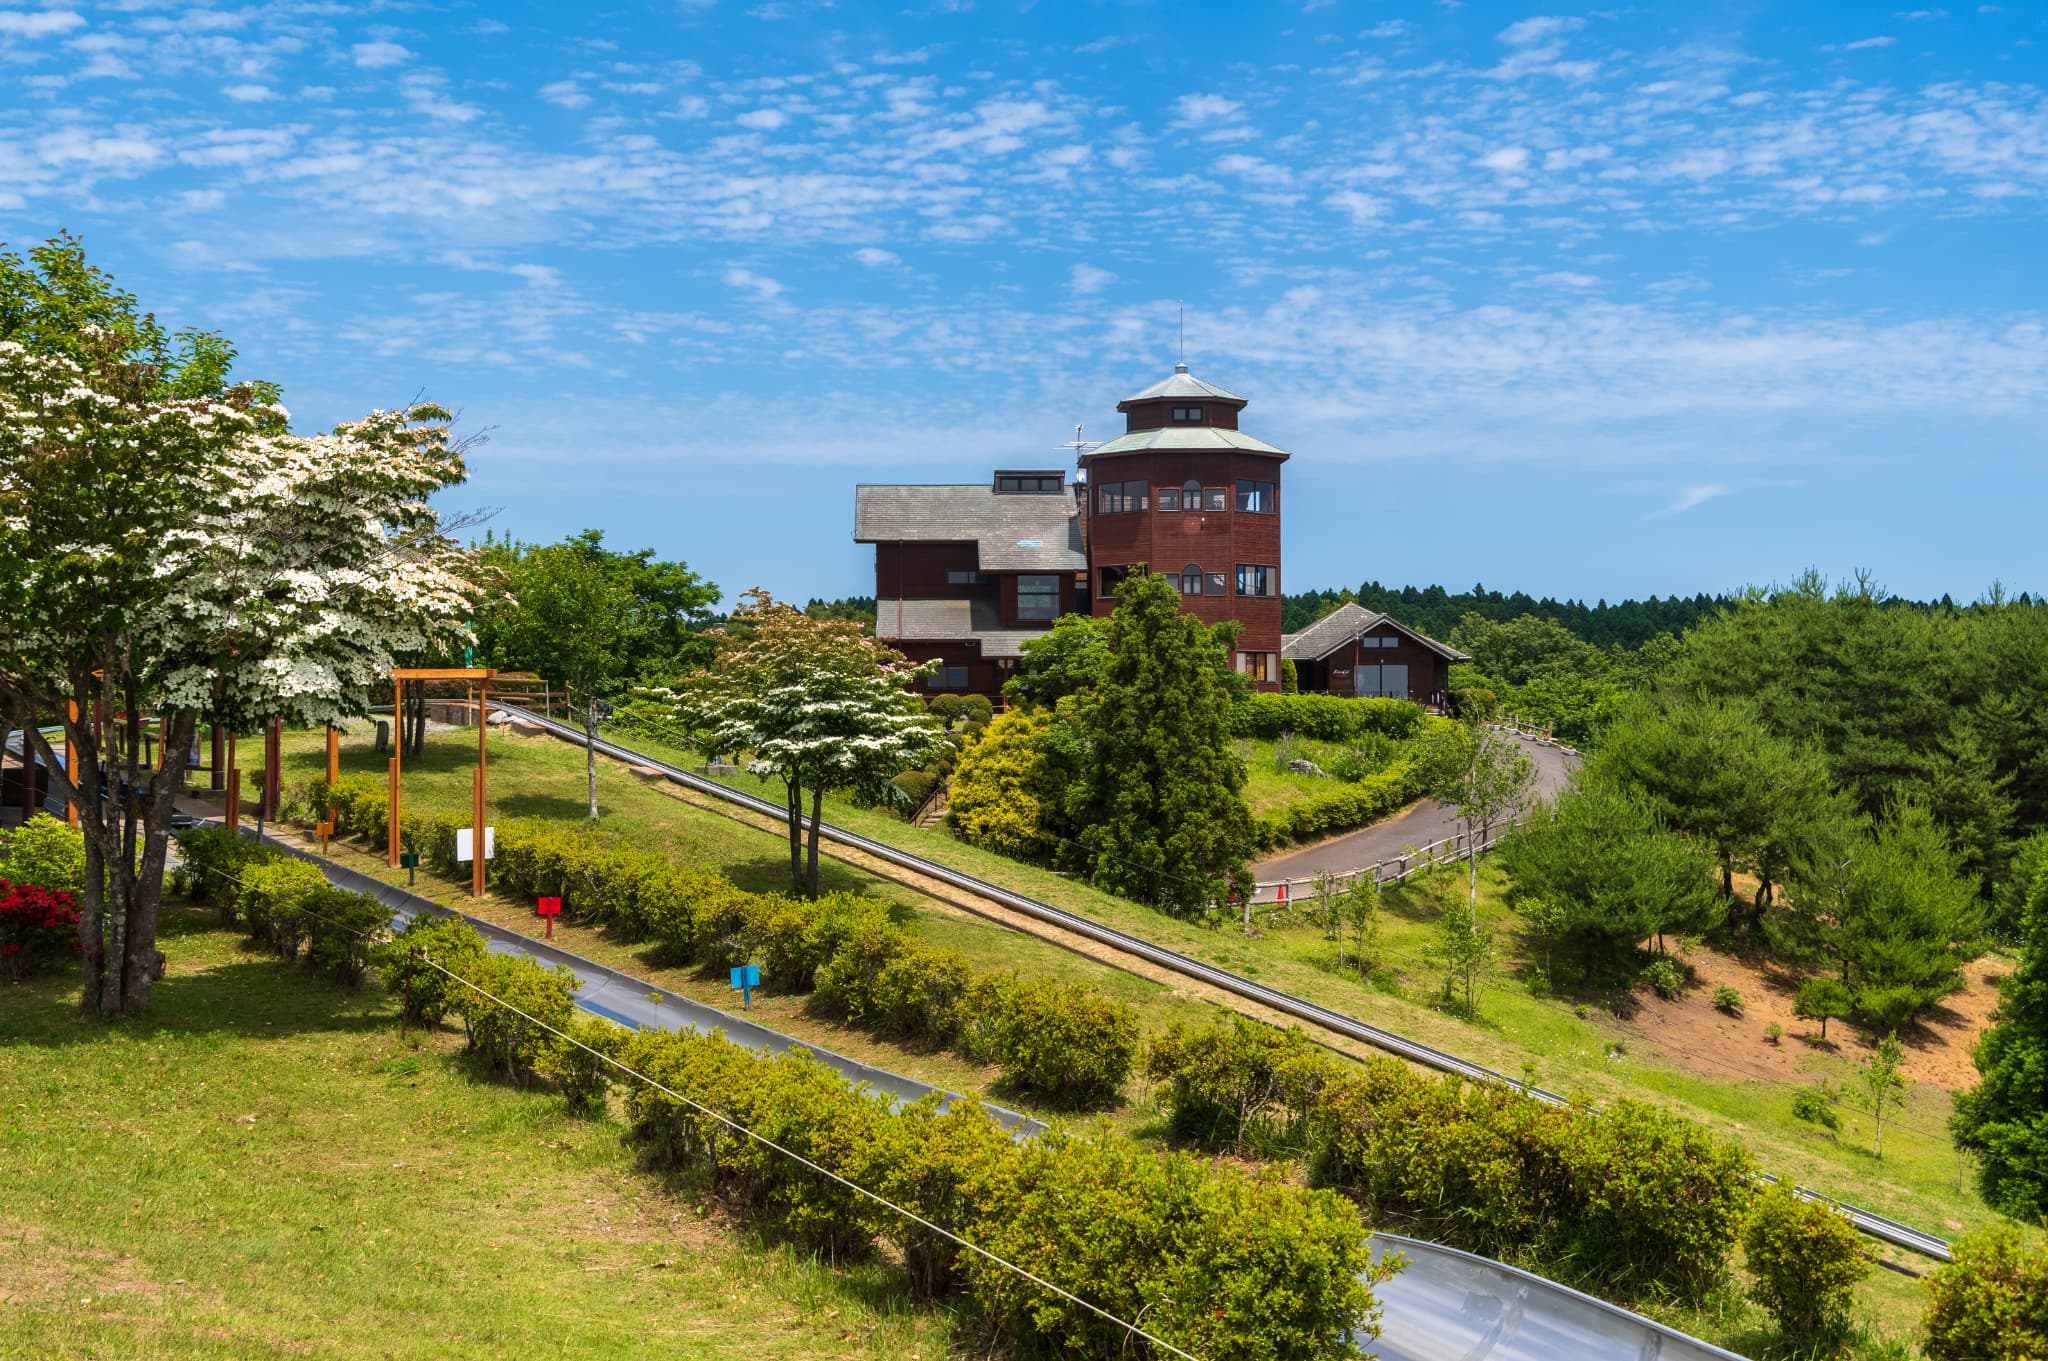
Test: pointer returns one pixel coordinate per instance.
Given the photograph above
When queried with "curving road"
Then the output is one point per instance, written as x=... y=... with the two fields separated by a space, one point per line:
x=1416 y=825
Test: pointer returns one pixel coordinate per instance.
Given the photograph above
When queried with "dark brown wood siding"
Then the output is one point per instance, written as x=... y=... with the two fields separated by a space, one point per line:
x=1428 y=671
x=917 y=571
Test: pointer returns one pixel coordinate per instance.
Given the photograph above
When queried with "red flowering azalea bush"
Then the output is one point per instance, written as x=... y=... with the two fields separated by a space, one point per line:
x=35 y=924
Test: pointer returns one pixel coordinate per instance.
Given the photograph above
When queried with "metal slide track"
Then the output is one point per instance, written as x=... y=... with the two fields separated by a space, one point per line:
x=1876 y=1225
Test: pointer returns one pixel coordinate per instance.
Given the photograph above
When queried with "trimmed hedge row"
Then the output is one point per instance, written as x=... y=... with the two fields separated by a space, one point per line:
x=1225 y=1265
x=1640 y=1202
x=284 y=903
x=1068 y=1044
x=1341 y=809
x=1328 y=718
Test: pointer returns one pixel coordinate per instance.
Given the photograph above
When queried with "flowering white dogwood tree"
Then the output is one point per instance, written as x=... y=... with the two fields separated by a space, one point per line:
x=170 y=552
x=815 y=701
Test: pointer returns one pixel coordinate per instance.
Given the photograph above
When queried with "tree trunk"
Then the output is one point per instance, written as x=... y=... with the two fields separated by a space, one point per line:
x=817 y=813
x=590 y=754
x=793 y=782
x=1472 y=854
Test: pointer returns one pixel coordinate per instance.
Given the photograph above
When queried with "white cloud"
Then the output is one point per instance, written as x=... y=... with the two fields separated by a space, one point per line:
x=248 y=94
x=1690 y=498
x=1196 y=110
x=1540 y=29
x=1880 y=41
x=761 y=286
x=1363 y=209
x=1253 y=169
x=874 y=257
x=376 y=55
x=1507 y=158
x=1087 y=279
x=564 y=93
x=43 y=23
x=762 y=120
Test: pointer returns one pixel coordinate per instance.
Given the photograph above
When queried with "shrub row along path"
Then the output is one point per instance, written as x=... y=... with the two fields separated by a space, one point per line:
x=1417 y=825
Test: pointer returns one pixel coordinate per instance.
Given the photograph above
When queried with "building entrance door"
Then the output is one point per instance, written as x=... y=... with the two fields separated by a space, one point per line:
x=1383 y=682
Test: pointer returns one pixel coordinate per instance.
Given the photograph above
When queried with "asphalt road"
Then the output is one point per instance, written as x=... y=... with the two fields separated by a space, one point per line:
x=1416 y=825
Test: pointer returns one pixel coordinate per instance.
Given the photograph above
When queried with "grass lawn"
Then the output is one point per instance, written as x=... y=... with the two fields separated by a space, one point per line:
x=263 y=1167
x=1270 y=786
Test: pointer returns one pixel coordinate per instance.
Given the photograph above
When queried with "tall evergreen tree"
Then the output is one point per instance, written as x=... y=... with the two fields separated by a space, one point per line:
x=2004 y=1118
x=1160 y=795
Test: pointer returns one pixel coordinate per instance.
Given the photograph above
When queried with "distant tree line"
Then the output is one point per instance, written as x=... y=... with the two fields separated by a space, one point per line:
x=1436 y=611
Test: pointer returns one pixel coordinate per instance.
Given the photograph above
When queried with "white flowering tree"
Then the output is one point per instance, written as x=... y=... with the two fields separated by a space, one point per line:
x=171 y=553
x=815 y=701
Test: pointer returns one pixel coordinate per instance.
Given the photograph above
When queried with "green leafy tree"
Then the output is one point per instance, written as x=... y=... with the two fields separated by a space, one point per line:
x=2004 y=1118
x=1482 y=775
x=571 y=621
x=1067 y=659
x=816 y=701
x=1991 y=1303
x=1604 y=862
x=1805 y=1259
x=1160 y=805
x=1463 y=949
x=1880 y=1086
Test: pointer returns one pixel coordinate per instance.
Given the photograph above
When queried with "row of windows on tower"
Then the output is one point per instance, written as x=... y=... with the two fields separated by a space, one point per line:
x=1253 y=579
x=1121 y=498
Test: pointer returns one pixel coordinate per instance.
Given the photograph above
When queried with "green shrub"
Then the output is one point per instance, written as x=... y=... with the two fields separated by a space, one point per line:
x=977 y=708
x=1070 y=1045
x=930 y=1162
x=1474 y=703
x=1728 y=999
x=948 y=707
x=509 y=1044
x=215 y=859
x=1773 y=1032
x=426 y=993
x=343 y=929
x=1227 y=1081
x=270 y=898
x=1665 y=978
x=916 y=786
x=1328 y=718
x=1991 y=1304
x=1368 y=754
x=1805 y=1259
x=796 y=938
x=1813 y=1106
x=1290 y=677
x=46 y=852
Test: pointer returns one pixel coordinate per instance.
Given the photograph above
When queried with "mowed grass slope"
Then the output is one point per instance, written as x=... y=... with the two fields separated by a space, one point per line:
x=263 y=1167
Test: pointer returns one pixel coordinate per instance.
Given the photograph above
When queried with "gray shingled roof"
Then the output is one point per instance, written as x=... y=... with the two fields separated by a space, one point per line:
x=1180 y=383
x=1185 y=437
x=1011 y=533
x=952 y=620
x=1344 y=623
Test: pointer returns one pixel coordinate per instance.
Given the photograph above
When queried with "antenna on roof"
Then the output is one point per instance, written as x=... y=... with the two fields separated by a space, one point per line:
x=1183 y=333
x=1078 y=445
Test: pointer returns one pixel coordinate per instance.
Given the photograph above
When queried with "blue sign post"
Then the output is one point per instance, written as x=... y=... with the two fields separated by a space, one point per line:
x=745 y=978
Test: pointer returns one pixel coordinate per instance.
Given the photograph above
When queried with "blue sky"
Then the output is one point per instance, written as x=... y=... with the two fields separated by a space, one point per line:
x=1592 y=302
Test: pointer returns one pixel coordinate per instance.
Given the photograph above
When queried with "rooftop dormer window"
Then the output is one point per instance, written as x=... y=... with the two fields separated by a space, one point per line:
x=1187 y=415
x=1029 y=484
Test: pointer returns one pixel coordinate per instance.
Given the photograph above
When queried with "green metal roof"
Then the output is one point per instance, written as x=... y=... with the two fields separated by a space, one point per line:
x=1180 y=384
x=1185 y=437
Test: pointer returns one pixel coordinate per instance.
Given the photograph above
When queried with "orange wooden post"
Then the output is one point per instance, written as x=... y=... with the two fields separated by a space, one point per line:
x=333 y=765
x=476 y=845
x=233 y=811
x=397 y=746
x=70 y=770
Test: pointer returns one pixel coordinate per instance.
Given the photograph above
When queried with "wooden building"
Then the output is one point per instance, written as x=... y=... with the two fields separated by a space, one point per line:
x=966 y=574
x=1356 y=651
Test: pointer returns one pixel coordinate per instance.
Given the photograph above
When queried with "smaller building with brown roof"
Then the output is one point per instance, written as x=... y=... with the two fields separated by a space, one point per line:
x=1356 y=651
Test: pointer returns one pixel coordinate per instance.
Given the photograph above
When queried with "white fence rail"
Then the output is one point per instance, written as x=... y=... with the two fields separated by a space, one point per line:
x=1277 y=893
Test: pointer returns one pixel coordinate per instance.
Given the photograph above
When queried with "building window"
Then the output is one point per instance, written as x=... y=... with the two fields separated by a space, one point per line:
x=1188 y=415
x=1169 y=498
x=1032 y=485
x=1117 y=498
x=1112 y=578
x=963 y=578
x=1261 y=667
x=1219 y=584
x=947 y=678
x=1191 y=494
x=1219 y=498
x=1191 y=579
x=1256 y=580
x=1256 y=497
x=1038 y=597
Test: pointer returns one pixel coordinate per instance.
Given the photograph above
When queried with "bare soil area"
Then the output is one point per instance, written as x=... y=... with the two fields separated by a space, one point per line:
x=1692 y=1032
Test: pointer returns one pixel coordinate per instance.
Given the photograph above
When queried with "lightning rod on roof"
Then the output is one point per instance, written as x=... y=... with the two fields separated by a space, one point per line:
x=1183 y=332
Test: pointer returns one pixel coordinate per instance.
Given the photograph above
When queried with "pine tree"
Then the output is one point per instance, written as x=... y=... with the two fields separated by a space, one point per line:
x=1160 y=796
x=2004 y=1118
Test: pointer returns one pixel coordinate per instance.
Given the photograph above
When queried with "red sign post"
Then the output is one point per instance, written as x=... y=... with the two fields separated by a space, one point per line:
x=549 y=909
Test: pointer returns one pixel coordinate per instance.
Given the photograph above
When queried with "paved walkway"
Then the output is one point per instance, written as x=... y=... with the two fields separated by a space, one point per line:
x=1416 y=825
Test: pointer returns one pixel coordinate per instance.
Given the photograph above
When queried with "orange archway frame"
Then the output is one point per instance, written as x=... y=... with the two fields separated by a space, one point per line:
x=482 y=677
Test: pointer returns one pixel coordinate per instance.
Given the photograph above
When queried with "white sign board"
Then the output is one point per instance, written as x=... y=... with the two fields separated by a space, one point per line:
x=465 y=838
